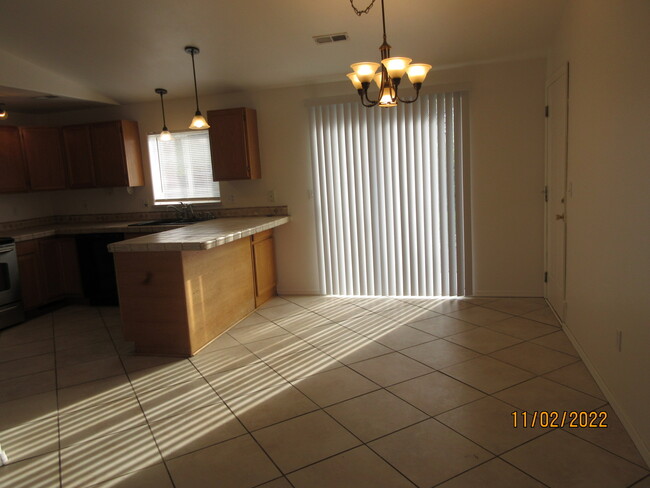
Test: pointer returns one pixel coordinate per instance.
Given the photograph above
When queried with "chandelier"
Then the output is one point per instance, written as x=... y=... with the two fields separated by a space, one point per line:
x=391 y=74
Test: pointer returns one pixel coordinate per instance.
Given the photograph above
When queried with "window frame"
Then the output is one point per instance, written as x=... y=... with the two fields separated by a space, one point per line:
x=153 y=139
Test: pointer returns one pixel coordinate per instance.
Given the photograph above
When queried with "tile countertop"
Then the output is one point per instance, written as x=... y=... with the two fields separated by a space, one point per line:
x=39 y=232
x=199 y=236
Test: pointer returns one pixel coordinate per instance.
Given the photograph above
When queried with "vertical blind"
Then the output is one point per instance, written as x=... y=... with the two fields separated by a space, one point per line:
x=388 y=190
x=181 y=168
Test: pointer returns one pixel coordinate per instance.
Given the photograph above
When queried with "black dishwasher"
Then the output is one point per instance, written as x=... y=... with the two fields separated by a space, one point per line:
x=97 y=268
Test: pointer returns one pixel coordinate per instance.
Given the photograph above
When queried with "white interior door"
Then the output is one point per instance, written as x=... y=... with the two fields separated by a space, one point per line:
x=556 y=189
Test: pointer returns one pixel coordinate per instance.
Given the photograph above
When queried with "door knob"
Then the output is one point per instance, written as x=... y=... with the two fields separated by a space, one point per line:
x=559 y=216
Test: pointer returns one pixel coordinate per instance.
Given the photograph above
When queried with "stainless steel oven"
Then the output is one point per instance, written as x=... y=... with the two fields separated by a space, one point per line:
x=11 y=307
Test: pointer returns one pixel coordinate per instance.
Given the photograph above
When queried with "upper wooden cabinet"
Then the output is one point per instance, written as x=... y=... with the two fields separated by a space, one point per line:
x=12 y=164
x=116 y=153
x=44 y=157
x=79 y=156
x=234 y=145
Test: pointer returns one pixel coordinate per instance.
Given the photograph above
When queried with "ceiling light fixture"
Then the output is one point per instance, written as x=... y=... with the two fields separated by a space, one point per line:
x=165 y=135
x=3 y=112
x=392 y=71
x=198 y=122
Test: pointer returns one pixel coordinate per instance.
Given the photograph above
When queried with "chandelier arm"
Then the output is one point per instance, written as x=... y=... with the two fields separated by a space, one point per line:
x=371 y=103
x=417 y=87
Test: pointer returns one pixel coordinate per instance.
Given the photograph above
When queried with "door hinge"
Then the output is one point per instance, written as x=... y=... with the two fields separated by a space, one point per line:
x=546 y=193
x=546 y=111
x=545 y=276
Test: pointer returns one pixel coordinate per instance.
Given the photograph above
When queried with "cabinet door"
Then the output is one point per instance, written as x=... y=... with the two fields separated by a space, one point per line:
x=233 y=144
x=44 y=157
x=108 y=154
x=264 y=264
x=79 y=156
x=116 y=153
x=30 y=274
x=12 y=164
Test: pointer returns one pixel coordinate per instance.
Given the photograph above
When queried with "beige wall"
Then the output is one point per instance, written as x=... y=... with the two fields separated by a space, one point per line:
x=608 y=246
x=507 y=159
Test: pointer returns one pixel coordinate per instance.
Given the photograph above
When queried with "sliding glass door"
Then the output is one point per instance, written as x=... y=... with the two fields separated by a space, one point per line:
x=388 y=186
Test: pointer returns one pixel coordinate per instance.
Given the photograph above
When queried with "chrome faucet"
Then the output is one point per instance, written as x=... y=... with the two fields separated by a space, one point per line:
x=184 y=210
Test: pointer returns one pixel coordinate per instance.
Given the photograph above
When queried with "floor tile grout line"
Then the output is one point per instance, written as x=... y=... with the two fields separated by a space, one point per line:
x=248 y=431
x=572 y=432
x=58 y=416
x=319 y=408
x=137 y=399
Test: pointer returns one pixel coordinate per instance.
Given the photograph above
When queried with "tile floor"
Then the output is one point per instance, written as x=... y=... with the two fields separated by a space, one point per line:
x=309 y=392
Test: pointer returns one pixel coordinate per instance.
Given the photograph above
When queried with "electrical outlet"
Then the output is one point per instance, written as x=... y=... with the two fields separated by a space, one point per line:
x=270 y=196
x=231 y=198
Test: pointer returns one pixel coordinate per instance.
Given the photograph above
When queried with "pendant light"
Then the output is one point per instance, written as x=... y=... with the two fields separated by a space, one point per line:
x=3 y=112
x=391 y=74
x=165 y=135
x=198 y=122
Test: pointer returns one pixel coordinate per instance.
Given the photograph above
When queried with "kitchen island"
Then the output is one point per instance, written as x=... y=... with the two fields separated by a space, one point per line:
x=182 y=288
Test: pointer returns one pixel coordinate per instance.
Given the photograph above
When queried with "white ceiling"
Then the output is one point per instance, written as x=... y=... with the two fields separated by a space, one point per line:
x=123 y=49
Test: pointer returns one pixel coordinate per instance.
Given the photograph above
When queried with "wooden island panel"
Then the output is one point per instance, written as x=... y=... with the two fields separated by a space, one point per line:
x=175 y=302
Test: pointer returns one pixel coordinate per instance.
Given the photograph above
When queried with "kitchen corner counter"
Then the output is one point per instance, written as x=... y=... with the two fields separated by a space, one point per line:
x=199 y=236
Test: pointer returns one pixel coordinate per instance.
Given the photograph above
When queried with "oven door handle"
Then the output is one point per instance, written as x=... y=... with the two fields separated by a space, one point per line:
x=2 y=251
x=6 y=309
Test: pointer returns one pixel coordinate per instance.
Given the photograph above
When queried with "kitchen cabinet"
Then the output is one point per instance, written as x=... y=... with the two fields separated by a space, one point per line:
x=43 y=153
x=234 y=144
x=116 y=153
x=175 y=302
x=264 y=266
x=79 y=156
x=29 y=267
x=12 y=164
x=49 y=270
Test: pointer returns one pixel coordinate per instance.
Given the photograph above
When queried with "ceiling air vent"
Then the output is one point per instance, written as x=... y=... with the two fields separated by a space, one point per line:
x=327 y=38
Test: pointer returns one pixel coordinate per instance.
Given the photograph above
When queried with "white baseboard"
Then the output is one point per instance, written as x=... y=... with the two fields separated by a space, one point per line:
x=285 y=291
x=644 y=450
x=507 y=293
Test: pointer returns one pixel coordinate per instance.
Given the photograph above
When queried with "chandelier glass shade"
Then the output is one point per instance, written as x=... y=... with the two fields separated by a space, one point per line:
x=388 y=79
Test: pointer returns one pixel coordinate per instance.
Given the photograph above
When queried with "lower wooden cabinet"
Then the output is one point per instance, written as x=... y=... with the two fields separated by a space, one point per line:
x=49 y=270
x=264 y=266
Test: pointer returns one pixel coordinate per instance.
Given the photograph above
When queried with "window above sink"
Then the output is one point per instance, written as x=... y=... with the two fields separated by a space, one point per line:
x=181 y=169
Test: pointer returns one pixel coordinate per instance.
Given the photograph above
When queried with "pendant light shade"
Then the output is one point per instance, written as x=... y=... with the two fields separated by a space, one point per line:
x=198 y=122
x=3 y=112
x=165 y=135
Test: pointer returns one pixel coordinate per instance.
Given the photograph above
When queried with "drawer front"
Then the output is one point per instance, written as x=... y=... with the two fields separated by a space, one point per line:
x=260 y=236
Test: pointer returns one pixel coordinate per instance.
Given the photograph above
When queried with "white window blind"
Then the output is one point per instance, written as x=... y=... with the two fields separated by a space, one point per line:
x=181 y=169
x=389 y=202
